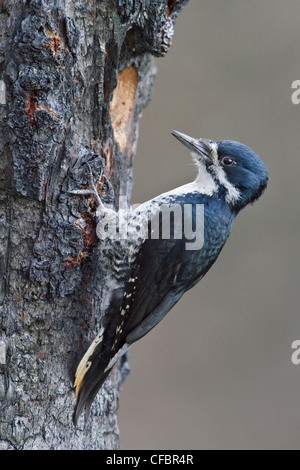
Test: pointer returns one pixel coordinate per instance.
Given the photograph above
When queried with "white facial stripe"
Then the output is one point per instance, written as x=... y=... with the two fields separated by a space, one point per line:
x=232 y=193
x=207 y=184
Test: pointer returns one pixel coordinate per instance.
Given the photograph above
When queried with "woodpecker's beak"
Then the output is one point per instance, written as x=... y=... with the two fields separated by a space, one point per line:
x=203 y=147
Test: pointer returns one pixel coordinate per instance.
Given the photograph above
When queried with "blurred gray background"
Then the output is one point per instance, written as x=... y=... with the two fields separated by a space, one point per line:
x=216 y=373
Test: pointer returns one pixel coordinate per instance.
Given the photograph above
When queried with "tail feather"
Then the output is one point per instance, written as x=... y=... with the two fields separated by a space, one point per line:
x=86 y=395
x=89 y=376
x=97 y=362
x=85 y=363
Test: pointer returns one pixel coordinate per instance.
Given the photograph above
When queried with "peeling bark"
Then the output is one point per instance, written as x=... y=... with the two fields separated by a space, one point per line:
x=76 y=76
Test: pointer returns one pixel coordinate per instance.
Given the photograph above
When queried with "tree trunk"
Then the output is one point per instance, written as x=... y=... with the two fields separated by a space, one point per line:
x=74 y=78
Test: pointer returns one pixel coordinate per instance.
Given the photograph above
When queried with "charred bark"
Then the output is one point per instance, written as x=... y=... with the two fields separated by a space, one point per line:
x=75 y=76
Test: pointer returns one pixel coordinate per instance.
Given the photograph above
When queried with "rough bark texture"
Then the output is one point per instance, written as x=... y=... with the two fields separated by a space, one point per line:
x=77 y=75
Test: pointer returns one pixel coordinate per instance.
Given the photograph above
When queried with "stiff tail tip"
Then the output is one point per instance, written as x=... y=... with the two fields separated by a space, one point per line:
x=80 y=374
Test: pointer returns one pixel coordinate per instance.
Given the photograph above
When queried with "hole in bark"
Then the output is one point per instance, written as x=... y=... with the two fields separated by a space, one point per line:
x=122 y=105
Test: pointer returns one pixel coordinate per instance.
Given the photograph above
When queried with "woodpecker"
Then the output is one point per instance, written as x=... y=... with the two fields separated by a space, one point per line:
x=160 y=269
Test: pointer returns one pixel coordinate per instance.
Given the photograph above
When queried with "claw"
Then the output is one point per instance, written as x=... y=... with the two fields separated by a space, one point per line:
x=92 y=190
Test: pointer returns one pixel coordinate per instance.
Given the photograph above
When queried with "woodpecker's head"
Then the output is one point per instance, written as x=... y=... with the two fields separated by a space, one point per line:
x=228 y=168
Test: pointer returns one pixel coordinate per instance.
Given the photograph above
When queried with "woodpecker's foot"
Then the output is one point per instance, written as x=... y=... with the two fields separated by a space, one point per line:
x=91 y=191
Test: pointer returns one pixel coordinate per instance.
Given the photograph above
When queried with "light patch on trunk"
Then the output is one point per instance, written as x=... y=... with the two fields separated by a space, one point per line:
x=122 y=105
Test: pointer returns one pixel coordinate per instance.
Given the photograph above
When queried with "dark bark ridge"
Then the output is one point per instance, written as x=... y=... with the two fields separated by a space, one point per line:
x=77 y=76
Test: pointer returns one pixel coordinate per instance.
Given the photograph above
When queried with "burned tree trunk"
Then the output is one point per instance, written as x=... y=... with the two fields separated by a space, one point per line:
x=74 y=77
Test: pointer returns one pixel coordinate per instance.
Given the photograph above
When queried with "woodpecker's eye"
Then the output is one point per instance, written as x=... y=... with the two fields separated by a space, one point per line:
x=227 y=161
